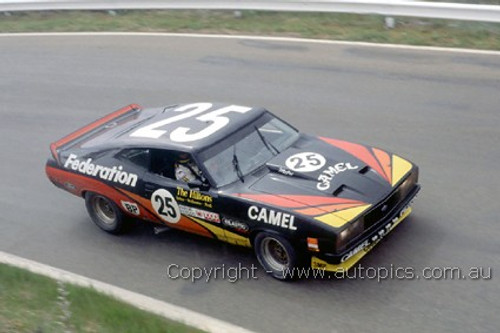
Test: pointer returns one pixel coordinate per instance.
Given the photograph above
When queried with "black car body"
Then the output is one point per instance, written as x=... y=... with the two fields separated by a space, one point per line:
x=296 y=199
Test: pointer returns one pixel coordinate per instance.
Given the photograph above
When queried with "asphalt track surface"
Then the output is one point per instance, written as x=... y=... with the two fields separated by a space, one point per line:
x=439 y=109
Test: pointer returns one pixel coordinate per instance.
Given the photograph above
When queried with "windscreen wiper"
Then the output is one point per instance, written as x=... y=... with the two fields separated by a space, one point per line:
x=236 y=165
x=268 y=144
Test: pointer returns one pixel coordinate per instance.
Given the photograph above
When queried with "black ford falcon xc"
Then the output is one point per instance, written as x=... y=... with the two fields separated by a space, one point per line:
x=241 y=175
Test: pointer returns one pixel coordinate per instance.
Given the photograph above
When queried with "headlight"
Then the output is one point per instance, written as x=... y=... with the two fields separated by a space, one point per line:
x=409 y=182
x=352 y=231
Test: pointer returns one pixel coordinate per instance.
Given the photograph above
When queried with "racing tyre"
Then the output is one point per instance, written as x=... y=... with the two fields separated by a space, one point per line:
x=276 y=255
x=104 y=213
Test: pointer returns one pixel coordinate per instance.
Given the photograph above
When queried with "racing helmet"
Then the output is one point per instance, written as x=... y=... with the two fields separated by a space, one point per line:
x=184 y=158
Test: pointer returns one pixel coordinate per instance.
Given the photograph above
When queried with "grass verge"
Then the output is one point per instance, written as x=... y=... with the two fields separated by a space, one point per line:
x=34 y=303
x=368 y=28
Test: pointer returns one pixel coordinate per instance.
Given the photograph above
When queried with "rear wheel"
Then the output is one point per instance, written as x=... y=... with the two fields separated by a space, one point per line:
x=276 y=255
x=104 y=213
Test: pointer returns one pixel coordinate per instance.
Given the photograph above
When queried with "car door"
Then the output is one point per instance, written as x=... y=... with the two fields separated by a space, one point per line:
x=179 y=204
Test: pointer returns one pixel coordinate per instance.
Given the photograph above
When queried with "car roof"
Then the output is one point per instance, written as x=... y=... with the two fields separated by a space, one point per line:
x=160 y=120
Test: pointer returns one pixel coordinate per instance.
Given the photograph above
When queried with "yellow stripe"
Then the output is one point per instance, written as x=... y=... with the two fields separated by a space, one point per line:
x=400 y=168
x=224 y=235
x=338 y=219
x=317 y=263
x=237 y=239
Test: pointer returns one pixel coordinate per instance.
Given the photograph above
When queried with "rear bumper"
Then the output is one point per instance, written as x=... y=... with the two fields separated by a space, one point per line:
x=342 y=262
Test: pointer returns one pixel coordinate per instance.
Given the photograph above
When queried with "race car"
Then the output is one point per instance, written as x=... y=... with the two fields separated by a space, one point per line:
x=240 y=175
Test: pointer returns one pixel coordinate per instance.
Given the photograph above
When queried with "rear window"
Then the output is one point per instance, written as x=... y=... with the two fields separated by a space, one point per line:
x=136 y=156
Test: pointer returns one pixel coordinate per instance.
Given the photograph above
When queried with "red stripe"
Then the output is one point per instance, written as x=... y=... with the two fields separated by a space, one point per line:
x=53 y=149
x=92 y=126
x=385 y=162
x=358 y=151
x=84 y=183
x=320 y=210
x=296 y=201
x=185 y=223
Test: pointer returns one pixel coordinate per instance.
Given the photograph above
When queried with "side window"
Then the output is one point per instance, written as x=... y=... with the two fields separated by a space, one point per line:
x=162 y=163
x=175 y=165
x=137 y=156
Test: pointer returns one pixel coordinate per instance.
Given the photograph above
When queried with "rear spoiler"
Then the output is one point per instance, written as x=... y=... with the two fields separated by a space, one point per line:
x=92 y=128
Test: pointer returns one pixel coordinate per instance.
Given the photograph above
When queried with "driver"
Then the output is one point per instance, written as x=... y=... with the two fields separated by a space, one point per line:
x=186 y=170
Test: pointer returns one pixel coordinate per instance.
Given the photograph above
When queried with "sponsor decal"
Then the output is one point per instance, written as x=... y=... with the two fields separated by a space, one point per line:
x=305 y=162
x=270 y=216
x=327 y=175
x=285 y=172
x=114 y=174
x=353 y=252
x=384 y=208
x=319 y=265
x=377 y=159
x=368 y=244
x=194 y=197
x=131 y=207
x=165 y=206
x=401 y=213
x=70 y=186
x=235 y=224
x=200 y=213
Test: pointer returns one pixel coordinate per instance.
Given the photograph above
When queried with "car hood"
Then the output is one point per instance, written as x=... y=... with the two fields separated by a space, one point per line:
x=322 y=175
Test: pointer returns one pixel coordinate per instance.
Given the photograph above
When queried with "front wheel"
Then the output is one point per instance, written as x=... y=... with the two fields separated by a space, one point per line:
x=104 y=213
x=276 y=255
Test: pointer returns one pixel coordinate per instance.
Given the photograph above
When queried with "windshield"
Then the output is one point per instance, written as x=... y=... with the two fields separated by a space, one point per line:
x=247 y=151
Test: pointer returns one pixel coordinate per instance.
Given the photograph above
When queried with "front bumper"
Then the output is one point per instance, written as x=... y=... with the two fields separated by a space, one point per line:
x=343 y=262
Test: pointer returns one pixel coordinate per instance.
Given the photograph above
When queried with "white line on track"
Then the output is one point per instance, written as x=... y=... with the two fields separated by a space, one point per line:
x=158 y=307
x=263 y=38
